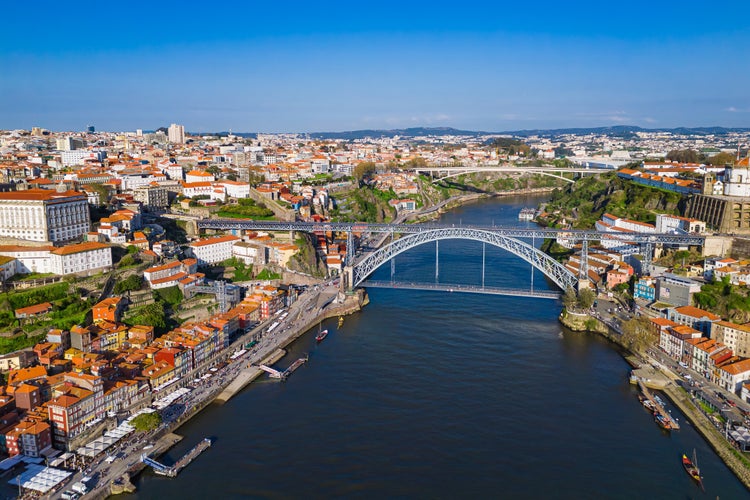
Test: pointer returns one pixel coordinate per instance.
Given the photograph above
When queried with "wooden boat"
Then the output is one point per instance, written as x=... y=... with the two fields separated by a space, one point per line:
x=691 y=467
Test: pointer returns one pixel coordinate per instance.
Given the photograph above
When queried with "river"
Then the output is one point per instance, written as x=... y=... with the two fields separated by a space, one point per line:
x=445 y=395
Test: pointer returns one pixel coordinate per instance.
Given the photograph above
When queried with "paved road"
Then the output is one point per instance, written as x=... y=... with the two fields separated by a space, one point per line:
x=127 y=453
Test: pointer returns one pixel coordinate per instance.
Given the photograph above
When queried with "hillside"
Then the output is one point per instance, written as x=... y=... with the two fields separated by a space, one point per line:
x=584 y=202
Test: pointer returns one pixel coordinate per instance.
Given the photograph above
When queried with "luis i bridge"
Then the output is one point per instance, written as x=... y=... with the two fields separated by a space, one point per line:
x=517 y=241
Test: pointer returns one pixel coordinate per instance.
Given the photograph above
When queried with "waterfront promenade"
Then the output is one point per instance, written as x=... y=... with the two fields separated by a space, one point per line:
x=312 y=307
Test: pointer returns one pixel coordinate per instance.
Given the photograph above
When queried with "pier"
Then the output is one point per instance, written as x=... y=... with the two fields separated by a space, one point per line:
x=673 y=425
x=248 y=375
x=282 y=375
x=172 y=471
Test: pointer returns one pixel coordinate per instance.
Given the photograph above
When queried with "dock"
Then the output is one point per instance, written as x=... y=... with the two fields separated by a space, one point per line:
x=659 y=407
x=282 y=375
x=246 y=376
x=172 y=471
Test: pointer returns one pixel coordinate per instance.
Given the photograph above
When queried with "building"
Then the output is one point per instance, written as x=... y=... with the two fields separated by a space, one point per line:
x=82 y=258
x=693 y=317
x=44 y=215
x=213 y=250
x=676 y=290
x=733 y=375
x=109 y=309
x=80 y=156
x=734 y=336
x=152 y=197
x=176 y=134
x=644 y=289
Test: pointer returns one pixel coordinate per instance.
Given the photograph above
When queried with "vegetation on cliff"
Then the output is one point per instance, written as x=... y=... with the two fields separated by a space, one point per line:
x=583 y=203
x=728 y=301
x=307 y=260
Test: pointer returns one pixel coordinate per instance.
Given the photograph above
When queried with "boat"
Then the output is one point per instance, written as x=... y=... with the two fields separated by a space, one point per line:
x=341 y=321
x=527 y=214
x=691 y=467
x=663 y=421
x=321 y=335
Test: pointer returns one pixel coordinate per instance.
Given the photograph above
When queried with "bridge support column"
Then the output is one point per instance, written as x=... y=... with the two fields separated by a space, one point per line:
x=583 y=269
x=347 y=278
x=647 y=250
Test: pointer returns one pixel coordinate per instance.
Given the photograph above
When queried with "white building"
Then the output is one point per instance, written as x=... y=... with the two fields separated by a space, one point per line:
x=213 y=250
x=666 y=223
x=235 y=189
x=82 y=258
x=44 y=215
x=737 y=181
x=176 y=133
x=79 y=156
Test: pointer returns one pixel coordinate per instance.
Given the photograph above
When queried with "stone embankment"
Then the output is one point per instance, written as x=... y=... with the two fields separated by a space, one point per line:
x=716 y=439
x=664 y=380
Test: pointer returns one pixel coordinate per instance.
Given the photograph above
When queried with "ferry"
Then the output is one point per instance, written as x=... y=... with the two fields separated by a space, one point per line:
x=321 y=335
x=527 y=214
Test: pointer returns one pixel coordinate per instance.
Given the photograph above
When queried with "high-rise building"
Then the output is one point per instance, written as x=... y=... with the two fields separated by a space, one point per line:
x=176 y=133
x=91 y=129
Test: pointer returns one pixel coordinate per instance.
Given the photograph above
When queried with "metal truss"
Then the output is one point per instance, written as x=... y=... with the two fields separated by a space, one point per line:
x=508 y=232
x=550 y=267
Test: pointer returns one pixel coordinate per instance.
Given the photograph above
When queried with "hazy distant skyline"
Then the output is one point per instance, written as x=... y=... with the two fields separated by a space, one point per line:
x=340 y=66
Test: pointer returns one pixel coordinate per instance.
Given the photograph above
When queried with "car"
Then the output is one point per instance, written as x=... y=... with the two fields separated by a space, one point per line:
x=731 y=403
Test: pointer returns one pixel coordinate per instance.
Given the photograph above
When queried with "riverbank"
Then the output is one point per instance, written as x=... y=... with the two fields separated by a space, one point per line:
x=271 y=353
x=738 y=464
x=432 y=213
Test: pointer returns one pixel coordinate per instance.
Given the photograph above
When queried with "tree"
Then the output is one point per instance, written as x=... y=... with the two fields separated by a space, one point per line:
x=364 y=169
x=586 y=298
x=721 y=159
x=637 y=334
x=569 y=298
x=146 y=421
x=685 y=156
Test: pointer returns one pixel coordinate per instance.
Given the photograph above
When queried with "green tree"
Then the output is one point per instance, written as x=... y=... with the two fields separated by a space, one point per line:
x=569 y=299
x=586 y=298
x=131 y=283
x=364 y=170
x=637 y=334
x=146 y=421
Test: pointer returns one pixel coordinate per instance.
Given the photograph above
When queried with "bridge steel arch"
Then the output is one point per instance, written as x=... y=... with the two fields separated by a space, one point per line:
x=558 y=273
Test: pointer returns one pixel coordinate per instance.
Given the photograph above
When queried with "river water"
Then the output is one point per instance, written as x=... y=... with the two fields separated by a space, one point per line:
x=445 y=395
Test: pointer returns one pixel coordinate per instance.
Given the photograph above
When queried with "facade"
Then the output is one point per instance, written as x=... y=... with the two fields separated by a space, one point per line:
x=645 y=289
x=694 y=317
x=44 y=215
x=152 y=197
x=734 y=336
x=213 y=250
x=676 y=290
x=83 y=258
x=176 y=133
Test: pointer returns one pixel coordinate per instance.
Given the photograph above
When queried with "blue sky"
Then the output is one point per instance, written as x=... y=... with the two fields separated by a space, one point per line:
x=327 y=66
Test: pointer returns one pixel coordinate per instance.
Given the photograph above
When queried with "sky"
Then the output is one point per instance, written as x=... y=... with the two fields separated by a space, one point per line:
x=268 y=66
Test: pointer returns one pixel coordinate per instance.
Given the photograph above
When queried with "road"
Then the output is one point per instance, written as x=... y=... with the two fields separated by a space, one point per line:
x=127 y=453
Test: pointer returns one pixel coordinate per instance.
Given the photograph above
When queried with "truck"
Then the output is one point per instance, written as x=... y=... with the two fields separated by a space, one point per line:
x=80 y=487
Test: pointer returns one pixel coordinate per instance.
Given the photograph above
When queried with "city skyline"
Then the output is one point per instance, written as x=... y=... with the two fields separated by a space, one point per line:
x=309 y=69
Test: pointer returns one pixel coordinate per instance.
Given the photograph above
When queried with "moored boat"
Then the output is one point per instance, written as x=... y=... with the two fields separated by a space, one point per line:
x=321 y=335
x=341 y=321
x=663 y=421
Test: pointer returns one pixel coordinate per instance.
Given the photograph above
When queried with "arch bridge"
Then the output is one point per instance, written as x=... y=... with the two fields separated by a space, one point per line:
x=360 y=271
